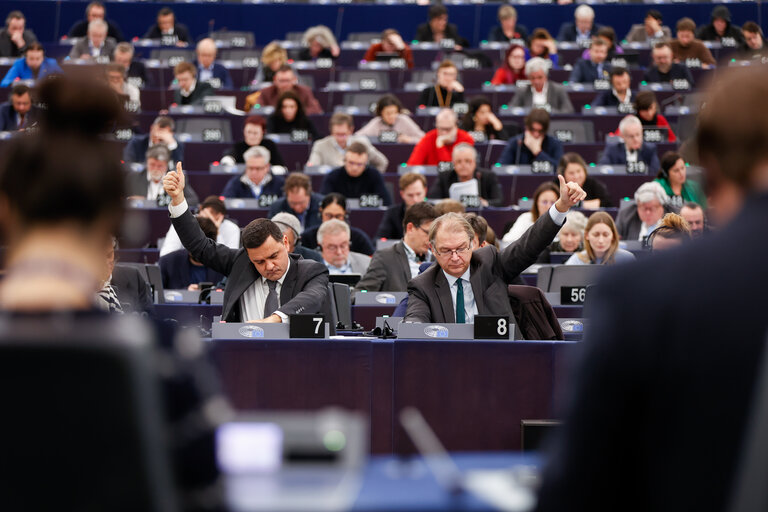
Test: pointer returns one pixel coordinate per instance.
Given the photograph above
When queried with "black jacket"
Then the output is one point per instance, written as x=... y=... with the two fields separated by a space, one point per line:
x=237 y=151
x=487 y=184
x=391 y=225
x=424 y=34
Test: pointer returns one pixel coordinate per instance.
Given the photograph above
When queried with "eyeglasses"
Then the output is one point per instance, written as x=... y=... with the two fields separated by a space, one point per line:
x=426 y=231
x=336 y=248
x=460 y=252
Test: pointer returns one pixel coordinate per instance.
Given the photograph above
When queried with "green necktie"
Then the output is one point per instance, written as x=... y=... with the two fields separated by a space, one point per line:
x=460 y=302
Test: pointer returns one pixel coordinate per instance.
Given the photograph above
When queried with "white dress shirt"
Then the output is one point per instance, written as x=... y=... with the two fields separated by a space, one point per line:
x=470 y=306
x=540 y=98
x=229 y=235
x=413 y=260
x=154 y=188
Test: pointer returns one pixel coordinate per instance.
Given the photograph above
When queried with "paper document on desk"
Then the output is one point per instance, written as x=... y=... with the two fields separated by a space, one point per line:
x=500 y=488
x=464 y=188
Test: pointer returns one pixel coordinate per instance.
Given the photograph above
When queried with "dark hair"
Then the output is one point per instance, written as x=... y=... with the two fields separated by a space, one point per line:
x=334 y=198
x=547 y=185
x=357 y=148
x=653 y=13
x=419 y=213
x=93 y=4
x=662 y=44
x=214 y=203
x=409 y=178
x=158 y=152
x=184 y=67
x=618 y=71
x=437 y=10
x=257 y=232
x=608 y=33
x=387 y=101
x=283 y=68
x=686 y=24
x=165 y=11
x=479 y=226
x=164 y=122
x=752 y=27
x=570 y=158
x=20 y=90
x=341 y=118
x=538 y=115
x=14 y=15
x=256 y=120
x=208 y=226
x=668 y=159
x=297 y=180
x=467 y=122
x=34 y=47
x=289 y=95
x=644 y=100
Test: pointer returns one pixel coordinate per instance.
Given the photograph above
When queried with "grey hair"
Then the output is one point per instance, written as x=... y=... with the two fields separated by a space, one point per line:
x=98 y=23
x=288 y=222
x=207 y=42
x=257 y=152
x=330 y=227
x=537 y=64
x=447 y=112
x=159 y=152
x=453 y=222
x=628 y=121
x=463 y=146
x=575 y=221
x=584 y=11
x=322 y=34
x=647 y=192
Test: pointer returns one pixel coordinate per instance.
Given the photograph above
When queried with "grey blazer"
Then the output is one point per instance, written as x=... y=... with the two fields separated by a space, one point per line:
x=637 y=33
x=557 y=97
x=429 y=295
x=359 y=262
x=304 y=289
x=324 y=152
x=389 y=271
x=81 y=48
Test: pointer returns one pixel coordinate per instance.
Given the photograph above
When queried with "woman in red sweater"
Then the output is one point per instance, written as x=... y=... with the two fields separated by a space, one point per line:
x=513 y=68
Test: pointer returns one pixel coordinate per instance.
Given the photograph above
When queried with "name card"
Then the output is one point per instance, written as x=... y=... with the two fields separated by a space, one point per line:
x=215 y=83
x=470 y=63
x=388 y=136
x=324 y=63
x=372 y=107
x=470 y=201
x=460 y=108
x=169 y=40
x=541 y=168
x=447 y=43
x=625 y=108
x=250 y=62
x=680 y=84
x=444 y=166
x=212 y=107
x=601 y=85
x=636 y=168
x=299 y=136
x=307 y=326
x=564 y=135
x=692 y=63
x=124 y=134
x=266 y=200
x=491 y=327
x=728 y=42
x=212 y=135
x=238 y=42
x=370 y=201
x=175 y=59
x=132 y=106
x=368 y=84
x=618 y=62
x=397 y=63
x=478 y=136
x=653 y=135
x=573 y=295
x=135 y=81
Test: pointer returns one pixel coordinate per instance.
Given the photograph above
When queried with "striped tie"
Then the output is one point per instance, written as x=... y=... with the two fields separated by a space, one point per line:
x=108 y=295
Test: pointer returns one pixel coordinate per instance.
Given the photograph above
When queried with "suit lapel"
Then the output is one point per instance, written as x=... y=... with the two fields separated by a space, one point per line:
x=286 y=290
x=402 y=260
x=444 y=292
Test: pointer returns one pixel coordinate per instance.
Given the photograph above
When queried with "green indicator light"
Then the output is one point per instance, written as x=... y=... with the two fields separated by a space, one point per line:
x=643 y=83
x=334 y=441
x=733 y=60
x=404 y=164
x=487 y=83
x=587 y=106
x=626 y=199
x=525 y=198
x=592 y=164
x=504 y=107
x=565 y=82
x=497 y=164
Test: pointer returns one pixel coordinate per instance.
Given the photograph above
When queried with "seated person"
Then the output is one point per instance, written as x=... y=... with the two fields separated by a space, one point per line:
x=391 y=118
x=594 y=68
x=391 y=44
x=330 y=150
x=208 y=70
x=508 y=30
x=720 y=28
x=663 y=69
x=284 y=81
x=480 y=118
x=391 y=268
x=542 y=93
x=673 y=231
x=447 y=91
x=265 y=283
x=574 y=168
x=601 y=243
x=581 y=29
x=319 y=43
x=633 y=148
x=190 y=91
x=290 y=227
x=15 y=37
x=96 y=45
x=569 y=239
x=754 y=43
x=289 y=117
x=608 y=36
x=34 y=66
x=544 y=197
x=647 y=107
x=534 y=145
x=466 y=283
x=148 y=184
x=95 y=11
x=438 y=28
x=413 y=189
x=257 y=181
x=694 y=215
x=273 y=57
x=215 y=209
x=134 y=69
x=253 y=135
x=437 y=145
x=116 y=80
x=131 y=292
x=513 y=68
x=679 y=189
x=542 y=45
x=688 y=50
x=650 y=30
x=167 y=29
x=464 y=170
x=620 y=93
x=18 y=113
x=333 y=240
x=160 y=132
x=334 y=206
x=637 y=221
x=298 y=200
x=181 y=271
x=356 y=177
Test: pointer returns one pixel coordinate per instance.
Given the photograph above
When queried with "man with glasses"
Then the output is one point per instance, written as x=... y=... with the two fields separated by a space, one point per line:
x=437 y=145
x=356 y=178
x=466 y=283
x=333 y=239
x=534 y=145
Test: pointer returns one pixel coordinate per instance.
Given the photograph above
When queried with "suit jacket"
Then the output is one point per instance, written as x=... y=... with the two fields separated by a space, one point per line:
x=136 y=150
x=676 y=72
x=628 y=224
x=132 y=290
x=179 y=30
x=517 y=153
x=429 y=295
x=668 y=365
x=81 y=48
x=201 y=90
x=311 y=215
x=487 y=184
x=359 y=262
x=424 y=33
x=308 y=254
x=388 y=271
x=369 y=182
x=585 y=71
x=324 y=152
x=176 y=270
x=136 y=185
x=80 y=29
x=236 y=188
x=568 y=31
x=391 y=225
x=557 y=98
x=8 y=117
x=617 y=154
x=219 y=72
x=9 y=49
x=304 y=289
x=637 y=33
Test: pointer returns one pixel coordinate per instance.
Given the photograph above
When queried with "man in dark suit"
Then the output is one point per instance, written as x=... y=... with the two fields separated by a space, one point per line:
x=133 y=292
x=633 y=149
x=190 y=91
x=392 y=268
x=15 y=37
x=167 y=29
x=17 y=114
x=208 y=70
x=148 y=184
x=161 y=132
x=534 y=145
x=265 y=283
x=135 y=70
x=356 y=177
x=96 y=45
x=466 y=283
x=640 y=219
x=413 y=189
x=180 y=270
x=95 y=11
x=595 y=67
x=660 y=396
x=299 y=201
x=465 y=169
x=582 y=28
x=438 y=28
x=620 y=93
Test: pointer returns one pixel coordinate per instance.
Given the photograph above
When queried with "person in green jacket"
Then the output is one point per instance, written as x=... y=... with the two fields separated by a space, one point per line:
x=679 y=189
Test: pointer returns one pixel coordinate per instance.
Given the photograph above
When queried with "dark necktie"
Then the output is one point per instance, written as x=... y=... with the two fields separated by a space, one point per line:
x=22 y=118
x=460 y=319
x=271 y=304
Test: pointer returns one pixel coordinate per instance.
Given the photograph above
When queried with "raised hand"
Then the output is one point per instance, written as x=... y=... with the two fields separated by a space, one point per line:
x=570 y=194
x=173 y=183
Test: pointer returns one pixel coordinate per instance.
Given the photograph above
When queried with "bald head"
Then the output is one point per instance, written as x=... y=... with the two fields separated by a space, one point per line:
x=206 y=52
